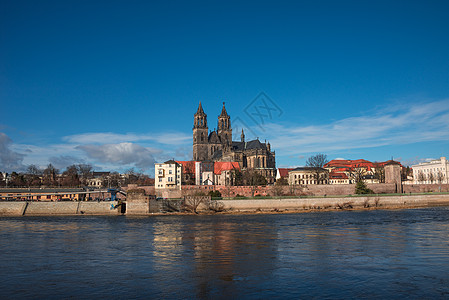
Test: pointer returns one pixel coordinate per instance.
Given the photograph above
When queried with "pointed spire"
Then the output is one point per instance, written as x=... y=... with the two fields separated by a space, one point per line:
x=223 y=111
x=242 y=136
x=200 y=110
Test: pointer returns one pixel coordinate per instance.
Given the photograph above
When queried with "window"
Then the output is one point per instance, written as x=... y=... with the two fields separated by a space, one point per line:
x=160 y=172
x=170 y=171
x=160 y=179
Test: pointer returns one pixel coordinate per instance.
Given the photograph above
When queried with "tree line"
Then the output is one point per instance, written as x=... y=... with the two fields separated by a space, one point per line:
x=76 y=175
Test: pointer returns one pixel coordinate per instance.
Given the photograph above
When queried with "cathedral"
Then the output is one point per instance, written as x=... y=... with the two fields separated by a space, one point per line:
x=217 y=145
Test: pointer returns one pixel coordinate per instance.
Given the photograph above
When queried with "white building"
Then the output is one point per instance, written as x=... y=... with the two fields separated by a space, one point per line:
x=307 y=175
x=435 y=171
x=168 y=175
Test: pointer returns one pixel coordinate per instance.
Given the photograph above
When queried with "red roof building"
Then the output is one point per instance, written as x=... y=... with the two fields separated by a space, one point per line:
x=283 y=173
x=221 y=166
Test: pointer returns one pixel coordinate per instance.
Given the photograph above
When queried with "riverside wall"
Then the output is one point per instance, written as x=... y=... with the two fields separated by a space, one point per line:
x=299 y=190
x=24 y=208
x=299 y=204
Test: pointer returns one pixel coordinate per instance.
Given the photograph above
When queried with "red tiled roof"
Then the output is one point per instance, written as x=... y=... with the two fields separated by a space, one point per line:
x=337 y=175
x=283 y=172
x=346 y=165
x=188 y=167
x=221 y=166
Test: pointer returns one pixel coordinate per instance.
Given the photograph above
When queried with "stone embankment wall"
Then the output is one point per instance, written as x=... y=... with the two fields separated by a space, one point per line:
x=425 y=188
x=304 y=190
x=144 y=206
x=20 y=208
x=300 y=190
x=299 y=204
x=137 y=202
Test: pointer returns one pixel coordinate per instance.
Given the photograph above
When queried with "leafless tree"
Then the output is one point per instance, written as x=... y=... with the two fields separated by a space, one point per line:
x=357 y=174
x=431 y=177
x=440 y=177
x=34 y=170
x=191 y=203
x=112 y=180
x=71 y=177
x=379 y=172
x=85 y=172
x=421 y=177
x=32 y=177
x=49 y=175
x=316 y=163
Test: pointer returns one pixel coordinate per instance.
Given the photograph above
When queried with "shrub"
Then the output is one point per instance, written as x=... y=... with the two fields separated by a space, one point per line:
x=361 y=188
x=215 y=194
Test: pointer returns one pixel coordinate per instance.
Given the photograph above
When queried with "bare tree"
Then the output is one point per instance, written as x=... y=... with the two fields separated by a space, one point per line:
x=379 y=172
x=191 y=203
x=357 y=174
x=32 y=176
x=440 y=177
x=421 y=177
x=34 y=170
x=49 y=175
x=85 y=172
x=316 y=163
x=71 y=177
x=112 y=180
x=431 y=177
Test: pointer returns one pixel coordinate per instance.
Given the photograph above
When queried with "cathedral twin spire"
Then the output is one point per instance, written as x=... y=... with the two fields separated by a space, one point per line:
x=224 y=130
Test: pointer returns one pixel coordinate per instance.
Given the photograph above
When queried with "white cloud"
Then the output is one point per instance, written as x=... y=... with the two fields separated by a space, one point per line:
x=120 y=154
x=399 y=125
x=176 y=138
x=10 y=160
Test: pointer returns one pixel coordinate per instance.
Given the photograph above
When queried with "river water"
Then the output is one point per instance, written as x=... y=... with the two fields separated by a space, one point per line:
x=336 y=255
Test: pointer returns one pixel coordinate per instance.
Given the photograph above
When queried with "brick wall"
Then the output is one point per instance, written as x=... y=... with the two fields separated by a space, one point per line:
x=425 y=188
x=306 y=190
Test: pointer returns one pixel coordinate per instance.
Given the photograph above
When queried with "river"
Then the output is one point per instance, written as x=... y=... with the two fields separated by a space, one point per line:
x=326 y=255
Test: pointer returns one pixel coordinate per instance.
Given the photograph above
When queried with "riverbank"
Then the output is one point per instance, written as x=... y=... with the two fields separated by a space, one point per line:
x=44 y=208
x=230 y=206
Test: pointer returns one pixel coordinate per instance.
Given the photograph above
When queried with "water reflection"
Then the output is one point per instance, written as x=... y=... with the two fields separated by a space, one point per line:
x=380 y=254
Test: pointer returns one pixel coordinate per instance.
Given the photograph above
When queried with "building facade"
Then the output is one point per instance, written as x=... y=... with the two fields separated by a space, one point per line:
x=168 y=175
x=435 y=171
x=306 y=176
x=217 y=146
x=343 y=171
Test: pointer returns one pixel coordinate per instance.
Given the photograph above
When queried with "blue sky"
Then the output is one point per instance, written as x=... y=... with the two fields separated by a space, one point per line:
x=116 y=83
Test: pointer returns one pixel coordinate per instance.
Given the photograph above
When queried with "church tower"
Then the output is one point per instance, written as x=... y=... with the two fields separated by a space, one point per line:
x=200 y=135
x=224 y=127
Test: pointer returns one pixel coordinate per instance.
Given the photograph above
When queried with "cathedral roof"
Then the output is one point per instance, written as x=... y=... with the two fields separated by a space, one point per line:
x=217 y=155
x=213 y=138
x=254 y=144
x=224 y=113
